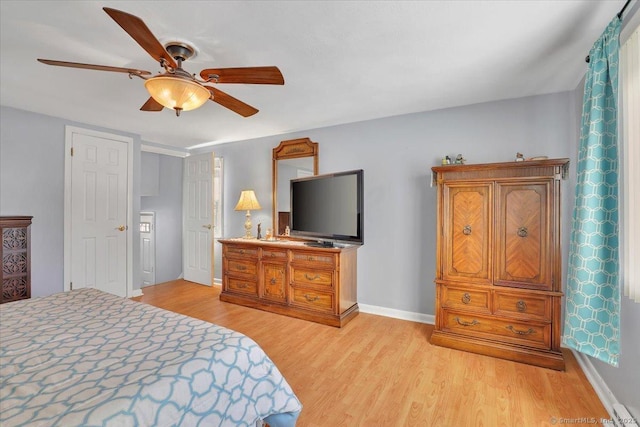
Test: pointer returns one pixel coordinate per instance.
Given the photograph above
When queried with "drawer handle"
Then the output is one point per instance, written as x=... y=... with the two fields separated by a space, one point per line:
x=306 y=276
x=273 y=280
x=241 y=251
x=241 y=267
x=311 y=298
x=466 y=230
x=242 y=286
x=466 y=298
x=460 y=322
x=515 y=331
x=523 y=232
x=311 y=258
x=521 y=306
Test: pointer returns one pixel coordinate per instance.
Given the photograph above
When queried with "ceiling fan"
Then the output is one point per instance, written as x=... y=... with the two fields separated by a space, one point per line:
x=175 y=88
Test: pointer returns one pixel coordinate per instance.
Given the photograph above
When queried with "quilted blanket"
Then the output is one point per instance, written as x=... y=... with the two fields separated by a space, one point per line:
x=88 y=358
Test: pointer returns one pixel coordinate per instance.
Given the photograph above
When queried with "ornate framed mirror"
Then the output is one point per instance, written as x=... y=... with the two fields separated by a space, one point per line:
x=294 y=158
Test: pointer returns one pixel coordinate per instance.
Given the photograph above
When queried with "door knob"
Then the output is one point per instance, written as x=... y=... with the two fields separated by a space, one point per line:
x=121 y=228
x=208 y=226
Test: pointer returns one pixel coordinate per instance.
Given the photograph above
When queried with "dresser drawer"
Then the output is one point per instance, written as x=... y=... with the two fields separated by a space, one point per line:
x=249 y=287
x=241 y=251
x=518 y=305
x=530 y=334
x=465 y=298
x=314 y=259
x=242 y=266
x=312 y=299
x=306 y=276
x=274 y=255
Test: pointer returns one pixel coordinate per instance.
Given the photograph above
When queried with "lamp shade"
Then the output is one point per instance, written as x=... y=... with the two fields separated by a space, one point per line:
x=177 y=92
x=248 y=201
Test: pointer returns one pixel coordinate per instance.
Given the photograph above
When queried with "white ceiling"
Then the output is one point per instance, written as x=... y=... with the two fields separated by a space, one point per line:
x=343 y=61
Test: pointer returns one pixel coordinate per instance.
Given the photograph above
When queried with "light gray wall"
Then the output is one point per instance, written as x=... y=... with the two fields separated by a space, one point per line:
x=149 y=174
x=396 y=265
x=32 y=183
x=167 y=205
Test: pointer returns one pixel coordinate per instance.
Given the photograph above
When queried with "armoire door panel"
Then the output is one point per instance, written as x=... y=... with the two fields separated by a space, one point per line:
x=467 y=232
x=522 y=234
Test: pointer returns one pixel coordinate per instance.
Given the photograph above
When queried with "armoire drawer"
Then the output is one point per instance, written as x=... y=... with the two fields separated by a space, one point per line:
x=529 y=333
x=467 y=298
x=523 y=306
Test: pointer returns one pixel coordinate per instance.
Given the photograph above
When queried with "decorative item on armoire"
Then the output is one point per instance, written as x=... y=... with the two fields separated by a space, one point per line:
x=15 y=253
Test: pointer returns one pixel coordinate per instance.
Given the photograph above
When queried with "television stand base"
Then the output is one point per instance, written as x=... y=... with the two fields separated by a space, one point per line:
x=320 y=244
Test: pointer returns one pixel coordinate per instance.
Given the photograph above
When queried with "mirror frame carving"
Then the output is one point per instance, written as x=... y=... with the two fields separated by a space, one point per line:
x=289 y=149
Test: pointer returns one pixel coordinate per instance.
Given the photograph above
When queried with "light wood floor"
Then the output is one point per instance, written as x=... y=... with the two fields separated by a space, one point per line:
x=383 y=372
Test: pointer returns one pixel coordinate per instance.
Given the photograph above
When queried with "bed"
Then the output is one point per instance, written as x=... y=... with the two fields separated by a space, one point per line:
x=88 y=358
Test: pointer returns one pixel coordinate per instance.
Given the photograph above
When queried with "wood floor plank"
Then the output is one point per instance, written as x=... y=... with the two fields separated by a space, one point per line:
x=379 y=371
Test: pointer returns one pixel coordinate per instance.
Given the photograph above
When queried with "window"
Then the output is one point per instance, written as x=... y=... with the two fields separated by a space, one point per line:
x=145 y=227
x=630 y=165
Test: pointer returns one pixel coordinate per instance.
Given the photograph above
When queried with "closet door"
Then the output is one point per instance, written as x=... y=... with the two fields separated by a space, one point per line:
x=523 y=231
x=467 y=232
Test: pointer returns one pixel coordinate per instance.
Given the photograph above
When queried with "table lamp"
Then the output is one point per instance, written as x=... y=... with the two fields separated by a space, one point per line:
x=247 y=202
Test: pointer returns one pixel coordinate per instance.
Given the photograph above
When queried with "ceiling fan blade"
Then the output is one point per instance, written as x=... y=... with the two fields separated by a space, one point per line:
x=151 y=105
x=252 y=75
x=233 y=104
x=95 y=67
x=139 y=31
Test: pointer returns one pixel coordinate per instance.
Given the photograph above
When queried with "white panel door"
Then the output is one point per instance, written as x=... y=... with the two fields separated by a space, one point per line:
x=148 y=248
x=99 y=185
x=197 y=238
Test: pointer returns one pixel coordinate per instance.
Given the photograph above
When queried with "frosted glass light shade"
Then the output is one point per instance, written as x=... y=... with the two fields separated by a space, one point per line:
x=177 y=93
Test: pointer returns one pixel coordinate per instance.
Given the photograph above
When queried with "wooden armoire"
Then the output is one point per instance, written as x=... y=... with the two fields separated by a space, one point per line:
x=498 y=267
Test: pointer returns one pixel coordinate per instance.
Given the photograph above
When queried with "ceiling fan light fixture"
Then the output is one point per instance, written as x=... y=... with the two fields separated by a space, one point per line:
x=176 y=92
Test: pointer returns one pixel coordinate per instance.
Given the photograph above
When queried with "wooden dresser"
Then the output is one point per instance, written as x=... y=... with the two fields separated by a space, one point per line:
x=498 y=267
x=16 y=257
x=287 y=277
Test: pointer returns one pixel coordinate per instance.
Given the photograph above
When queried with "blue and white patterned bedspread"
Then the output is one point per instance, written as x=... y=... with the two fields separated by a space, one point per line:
x=88 y=358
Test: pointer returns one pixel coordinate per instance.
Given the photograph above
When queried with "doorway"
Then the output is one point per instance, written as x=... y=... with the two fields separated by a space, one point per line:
x=198 y=219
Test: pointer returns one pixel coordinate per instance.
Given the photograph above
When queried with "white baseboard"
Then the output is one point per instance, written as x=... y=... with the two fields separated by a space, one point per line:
x=397 y=314
x=603 y=391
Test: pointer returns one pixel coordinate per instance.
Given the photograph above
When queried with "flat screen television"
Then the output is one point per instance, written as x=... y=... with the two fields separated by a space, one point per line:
x=328 y=208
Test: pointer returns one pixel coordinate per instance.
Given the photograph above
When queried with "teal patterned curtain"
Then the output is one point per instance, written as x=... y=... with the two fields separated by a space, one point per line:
x=592 y=311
